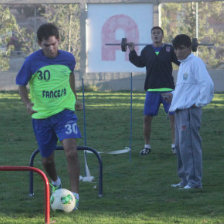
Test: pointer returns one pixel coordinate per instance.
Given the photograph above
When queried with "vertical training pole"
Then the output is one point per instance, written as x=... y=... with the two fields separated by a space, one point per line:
x=84 y=128
x=84 y=111
x=130 y=138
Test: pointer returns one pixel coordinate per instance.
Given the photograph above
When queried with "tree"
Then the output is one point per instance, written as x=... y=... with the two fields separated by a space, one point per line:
x=67 y=18
x=23 y=38
x=13 y=38
x=181 y=18
x=7 y=25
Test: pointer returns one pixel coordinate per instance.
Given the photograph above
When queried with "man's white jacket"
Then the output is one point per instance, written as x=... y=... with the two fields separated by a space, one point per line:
x=194 y=85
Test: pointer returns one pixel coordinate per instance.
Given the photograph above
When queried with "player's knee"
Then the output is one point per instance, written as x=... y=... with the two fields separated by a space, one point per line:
x=71 y=153
x=47 y=161
x=147 y=118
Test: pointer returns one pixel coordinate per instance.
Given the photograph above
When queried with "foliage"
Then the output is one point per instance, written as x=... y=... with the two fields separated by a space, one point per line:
x=13 y=37
x=181 y=18
x=7 y=24
x=67 y=18
x=176 y=18
x=136 y=190
x=22 y=39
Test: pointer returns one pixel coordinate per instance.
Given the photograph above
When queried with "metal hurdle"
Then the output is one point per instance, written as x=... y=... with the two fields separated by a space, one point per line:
x=100 y=184
x=46 y=182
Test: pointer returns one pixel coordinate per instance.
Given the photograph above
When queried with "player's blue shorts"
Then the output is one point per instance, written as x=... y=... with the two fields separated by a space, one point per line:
x=59 y=126
x=152 y=103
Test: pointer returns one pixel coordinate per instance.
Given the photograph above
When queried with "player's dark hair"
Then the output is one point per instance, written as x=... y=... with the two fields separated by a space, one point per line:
x=157 y=27
x=181 y=40
x=47 y=30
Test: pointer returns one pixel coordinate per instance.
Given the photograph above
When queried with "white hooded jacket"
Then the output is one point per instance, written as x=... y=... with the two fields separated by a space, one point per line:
x=194 y=85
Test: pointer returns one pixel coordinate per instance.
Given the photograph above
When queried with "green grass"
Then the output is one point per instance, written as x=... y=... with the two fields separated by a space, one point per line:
x=136 y=190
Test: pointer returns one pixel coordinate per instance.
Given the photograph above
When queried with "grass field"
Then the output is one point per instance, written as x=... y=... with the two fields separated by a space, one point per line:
x=136 y=190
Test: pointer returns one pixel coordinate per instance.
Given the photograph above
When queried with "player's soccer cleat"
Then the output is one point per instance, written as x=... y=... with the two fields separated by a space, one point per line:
x=179 y=185
x=54 y=188
x=174 y=151
x=76 y=203
x=189 y=187
x=145 y=151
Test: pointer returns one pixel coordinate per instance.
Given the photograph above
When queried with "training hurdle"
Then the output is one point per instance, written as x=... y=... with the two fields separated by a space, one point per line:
x=100 y=184
x=46 y=183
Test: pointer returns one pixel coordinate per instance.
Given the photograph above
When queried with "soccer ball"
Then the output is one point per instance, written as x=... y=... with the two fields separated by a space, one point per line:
x=62 y=199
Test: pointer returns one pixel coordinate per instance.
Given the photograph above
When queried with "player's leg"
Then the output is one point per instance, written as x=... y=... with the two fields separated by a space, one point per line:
x=151 y=107
x=49 y=166
x=194 y=168
x=47 y=140
x=70 y=149
x=147 y=123
x=180 y=168
x=166 y=106
x=190 y=146
x=67 y=131
x=172 y=126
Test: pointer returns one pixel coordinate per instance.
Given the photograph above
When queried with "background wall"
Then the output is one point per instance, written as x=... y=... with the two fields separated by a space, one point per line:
x=109 y=24
x=110 y=81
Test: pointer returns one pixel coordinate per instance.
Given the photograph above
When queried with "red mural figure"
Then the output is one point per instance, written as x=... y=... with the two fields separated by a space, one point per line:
x=110 y=27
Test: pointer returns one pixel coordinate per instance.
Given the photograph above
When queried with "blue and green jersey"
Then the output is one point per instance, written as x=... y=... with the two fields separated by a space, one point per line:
x=48 y=79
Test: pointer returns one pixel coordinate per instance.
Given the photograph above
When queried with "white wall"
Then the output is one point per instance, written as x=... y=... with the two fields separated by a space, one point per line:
x=111 y=81
x=109 y=23
x=121 y=81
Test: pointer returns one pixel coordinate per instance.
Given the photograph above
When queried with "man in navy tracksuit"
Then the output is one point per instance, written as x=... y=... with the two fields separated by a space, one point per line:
x=157 y=58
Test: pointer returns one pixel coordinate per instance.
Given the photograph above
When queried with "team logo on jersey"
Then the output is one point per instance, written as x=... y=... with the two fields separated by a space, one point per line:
x=168 y=48
x=54 y=93
x=185 y=76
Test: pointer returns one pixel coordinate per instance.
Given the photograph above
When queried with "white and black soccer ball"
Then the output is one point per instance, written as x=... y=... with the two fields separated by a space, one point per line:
x=63 y=199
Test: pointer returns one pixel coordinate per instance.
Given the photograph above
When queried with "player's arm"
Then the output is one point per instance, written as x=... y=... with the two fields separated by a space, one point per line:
x=23 y=92
x=206 y=85
x=78 y=105
x=134 y=58
x=131 y=46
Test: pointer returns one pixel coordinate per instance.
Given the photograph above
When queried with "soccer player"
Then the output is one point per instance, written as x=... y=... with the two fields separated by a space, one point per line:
x=52 y=102
x=157 y=58
x=194 y=89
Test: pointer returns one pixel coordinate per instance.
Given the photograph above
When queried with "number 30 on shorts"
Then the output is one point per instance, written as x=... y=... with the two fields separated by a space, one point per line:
x=71 y=128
